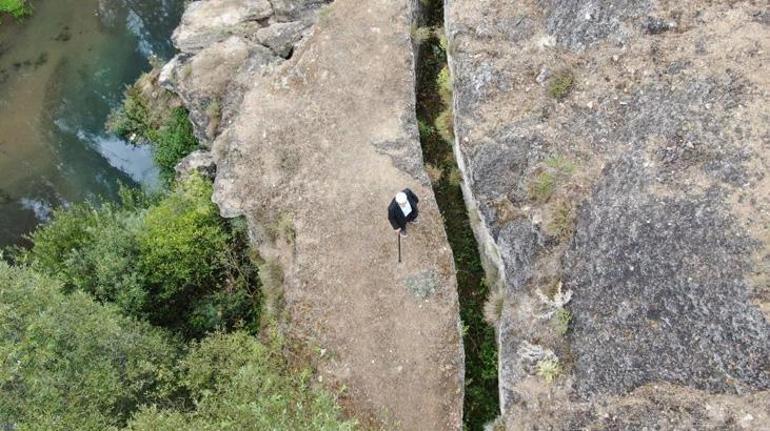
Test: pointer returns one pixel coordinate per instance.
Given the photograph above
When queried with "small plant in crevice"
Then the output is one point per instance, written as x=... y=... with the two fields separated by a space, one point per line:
x=560 y=84
x=549 y=369
x=455 y=177
x=561 y=164
x=553 y=301
x=282 y=228
x=271 y=278
x=426 y=130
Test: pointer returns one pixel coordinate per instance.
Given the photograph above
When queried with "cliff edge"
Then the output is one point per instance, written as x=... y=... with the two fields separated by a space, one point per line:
x=308 y=111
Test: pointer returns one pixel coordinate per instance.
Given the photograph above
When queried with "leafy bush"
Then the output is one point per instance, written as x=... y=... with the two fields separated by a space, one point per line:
x=173 y=142
x=173 y=260
x=17 y=8
x=70 y=363
x=238 y=383
x=167 y=128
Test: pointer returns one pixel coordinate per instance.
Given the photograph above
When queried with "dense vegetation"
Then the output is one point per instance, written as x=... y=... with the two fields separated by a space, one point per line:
x=238 y=383
x=71 y=363
x=434 y=112
x=16 y=8
x=145 y=314
x=170 y=260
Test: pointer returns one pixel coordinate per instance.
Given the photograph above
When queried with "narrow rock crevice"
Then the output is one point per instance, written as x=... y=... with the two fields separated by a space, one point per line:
x=434 y=114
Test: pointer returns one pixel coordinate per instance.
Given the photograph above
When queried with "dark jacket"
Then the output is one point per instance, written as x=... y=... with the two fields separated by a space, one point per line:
x=396 y=216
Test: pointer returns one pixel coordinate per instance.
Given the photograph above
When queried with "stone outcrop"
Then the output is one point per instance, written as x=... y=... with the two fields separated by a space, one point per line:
x=617 y=152
x=313 y=131
x=224 y=44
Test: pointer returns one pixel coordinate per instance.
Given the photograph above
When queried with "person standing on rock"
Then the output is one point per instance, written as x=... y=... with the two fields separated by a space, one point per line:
x=403 y=210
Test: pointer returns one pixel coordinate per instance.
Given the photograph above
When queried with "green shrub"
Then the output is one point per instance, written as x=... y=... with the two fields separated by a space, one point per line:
x=182 y=239
x=561 y=84
x=132 y=117
x=70 y=363
x=157 y=122
x=171 y=260
x=238 y=383
x=16 y=8
x=172 y=143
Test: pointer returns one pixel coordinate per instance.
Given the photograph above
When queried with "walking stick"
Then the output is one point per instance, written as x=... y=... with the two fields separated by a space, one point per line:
x=398 y=234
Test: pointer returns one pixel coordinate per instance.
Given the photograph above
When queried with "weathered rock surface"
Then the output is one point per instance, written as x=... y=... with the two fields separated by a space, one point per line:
x=206 y=22
x=224 y=44
x=620 y=150
x=311 y=149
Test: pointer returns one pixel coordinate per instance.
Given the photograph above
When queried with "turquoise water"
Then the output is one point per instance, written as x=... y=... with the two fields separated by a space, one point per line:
x=61 y=72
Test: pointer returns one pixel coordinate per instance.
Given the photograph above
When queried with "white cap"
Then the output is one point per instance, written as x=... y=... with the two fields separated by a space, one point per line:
x=401 y=198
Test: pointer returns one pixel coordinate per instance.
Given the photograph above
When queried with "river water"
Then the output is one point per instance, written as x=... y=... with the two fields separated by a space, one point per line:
x=61 y=72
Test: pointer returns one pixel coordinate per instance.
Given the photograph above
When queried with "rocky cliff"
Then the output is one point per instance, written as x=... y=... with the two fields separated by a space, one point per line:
x=307 y=111
x=615 y=157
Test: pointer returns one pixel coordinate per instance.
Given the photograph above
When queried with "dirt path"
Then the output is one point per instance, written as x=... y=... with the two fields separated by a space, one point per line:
x=327 y=139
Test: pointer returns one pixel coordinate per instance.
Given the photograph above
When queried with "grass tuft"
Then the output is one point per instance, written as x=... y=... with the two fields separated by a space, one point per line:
x=542 y=188
x=562 y=221
x=561 y=84
x=549 y=369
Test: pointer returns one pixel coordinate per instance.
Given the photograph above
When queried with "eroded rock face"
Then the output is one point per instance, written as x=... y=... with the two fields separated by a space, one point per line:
x=619 y=150
x=316 y=134
x=224 y=44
